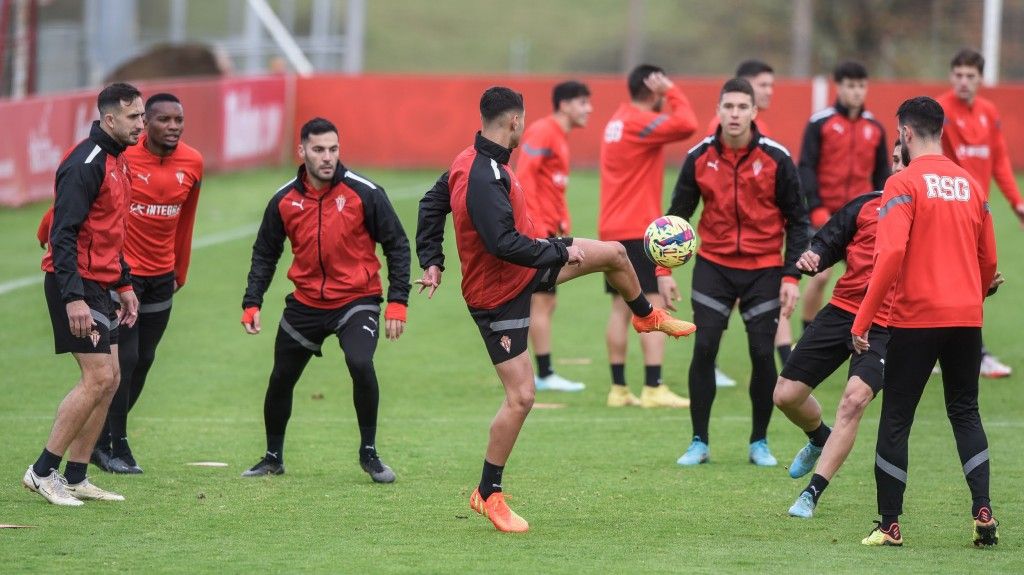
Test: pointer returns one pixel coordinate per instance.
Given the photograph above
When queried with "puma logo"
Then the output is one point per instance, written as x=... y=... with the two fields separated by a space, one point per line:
x=144 y=177
x=713 y=165
x=298 y=204
x=373 y=332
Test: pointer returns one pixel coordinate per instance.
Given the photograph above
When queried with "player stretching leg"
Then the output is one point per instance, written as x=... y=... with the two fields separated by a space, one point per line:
x=494 y=239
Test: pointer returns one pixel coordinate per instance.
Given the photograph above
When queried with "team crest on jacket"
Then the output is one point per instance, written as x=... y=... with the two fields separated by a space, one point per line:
x=757 y=165
x=506 y=343
x=868 y=132
x=181 y=177
x=340 y=202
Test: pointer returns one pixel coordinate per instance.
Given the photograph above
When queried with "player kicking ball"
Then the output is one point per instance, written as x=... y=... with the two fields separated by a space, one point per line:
x=849 y=234
x=502 y=267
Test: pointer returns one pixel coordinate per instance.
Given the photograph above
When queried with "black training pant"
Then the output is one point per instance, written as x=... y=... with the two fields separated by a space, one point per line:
x=911 y=355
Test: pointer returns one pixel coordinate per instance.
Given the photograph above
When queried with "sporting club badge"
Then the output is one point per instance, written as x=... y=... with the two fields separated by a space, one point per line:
x=506 y=343
x=757 y=167
x=94 y=336
x=181 y=177
x=340 y=202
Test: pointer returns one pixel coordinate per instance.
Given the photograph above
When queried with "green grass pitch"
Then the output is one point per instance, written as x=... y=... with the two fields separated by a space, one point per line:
x=599 y=486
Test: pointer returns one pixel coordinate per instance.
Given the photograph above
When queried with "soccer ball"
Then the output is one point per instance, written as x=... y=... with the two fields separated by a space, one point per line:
x=670 y=241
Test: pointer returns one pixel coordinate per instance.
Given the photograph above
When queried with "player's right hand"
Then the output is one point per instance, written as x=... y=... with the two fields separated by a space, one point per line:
x=575 y=255
x=860 y=343
x=808 y=262
x=658 y=83
x=79 y=318
x=431 y=279
x=251 y=320
x=669 y=291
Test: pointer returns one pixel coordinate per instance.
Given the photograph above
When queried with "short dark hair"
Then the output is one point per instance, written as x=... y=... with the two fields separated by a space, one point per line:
x=114 y=95
x=160 y=97
x=737 y=85
x=315 y=127
x=637 y=89
x=569 y=90
x=923 y=114
x=497 y=100
x=904 y=153
x=849 y=69
x=968 y=57
x=751 y=68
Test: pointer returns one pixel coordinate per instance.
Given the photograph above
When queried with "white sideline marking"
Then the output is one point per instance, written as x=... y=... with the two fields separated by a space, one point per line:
x=197 y=244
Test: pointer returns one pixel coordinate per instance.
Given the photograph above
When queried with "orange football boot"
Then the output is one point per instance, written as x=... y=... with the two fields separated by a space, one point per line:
x=660 y=320
x=495 y=509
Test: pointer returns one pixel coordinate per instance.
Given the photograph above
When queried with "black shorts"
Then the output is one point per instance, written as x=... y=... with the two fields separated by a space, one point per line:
x=506 y=327
x=716 y=289
x=304 y=328
x=643 y=266
x=104 y=314
x=154 y=292
x=826 y=344
x=552 y=286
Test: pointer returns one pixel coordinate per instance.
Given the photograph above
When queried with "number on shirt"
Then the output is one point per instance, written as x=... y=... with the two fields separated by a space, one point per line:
x=613 y=131
x=947 y=187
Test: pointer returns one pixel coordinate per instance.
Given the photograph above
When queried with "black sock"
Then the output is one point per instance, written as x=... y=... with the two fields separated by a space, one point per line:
x=367 y=452
x=820 y=435
x=490 y=479
x=74 y=472
x=816 y=487
x=640 y=306
x=275 y=448
x=784 y=350
x=979 y=504
x=807 y=323
x=368 y=435
x=45 y=463
x=121 y=448
x=544 y=365
x=888 y=520
x=652 y=375
x=618 y=373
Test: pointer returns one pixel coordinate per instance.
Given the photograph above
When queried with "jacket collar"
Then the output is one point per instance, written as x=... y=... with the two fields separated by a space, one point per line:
x=103 y=140
x=300 y=177
x=845 y=112
x=492 y=149
x=755 y=137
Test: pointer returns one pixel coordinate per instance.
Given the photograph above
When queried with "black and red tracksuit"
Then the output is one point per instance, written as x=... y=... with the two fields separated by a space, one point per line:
x=91 y=199
x=493 y=231
x=841 y=158
x=333 y=234
x=750 y=197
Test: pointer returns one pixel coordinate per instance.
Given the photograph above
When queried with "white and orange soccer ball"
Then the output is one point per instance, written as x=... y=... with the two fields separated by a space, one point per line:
x=670 y=241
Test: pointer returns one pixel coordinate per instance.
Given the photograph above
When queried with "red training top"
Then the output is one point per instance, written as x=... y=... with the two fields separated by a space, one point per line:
x=543 y=171
x=633 y=165
x=935 y=242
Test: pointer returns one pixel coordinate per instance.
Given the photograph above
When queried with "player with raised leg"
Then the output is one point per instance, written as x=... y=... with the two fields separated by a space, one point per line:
x=495 y=239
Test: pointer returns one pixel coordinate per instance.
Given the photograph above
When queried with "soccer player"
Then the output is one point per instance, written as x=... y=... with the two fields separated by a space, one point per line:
x=333 y=218
x=543 y=171
x=936 y=311
x=740 y=256
x=848 y=235
x=83 y=262
x=843 y=156
x=503 y=266
x=762 y=78
x=973 y=138
x=632 y=175
x=166 y=175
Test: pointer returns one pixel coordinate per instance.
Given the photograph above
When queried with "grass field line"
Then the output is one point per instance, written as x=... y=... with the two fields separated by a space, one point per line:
x=198 y=244
x=537 y=419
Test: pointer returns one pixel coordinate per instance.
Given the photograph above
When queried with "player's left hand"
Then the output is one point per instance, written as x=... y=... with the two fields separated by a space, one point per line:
x=431 y=279
x=177 y=286
x=788 y=294
x=808 y=262
x=860 y=343
x=129 y=308
x=393 y=328
x=669 y=291
x=1018 y=210
x=575 y=254
x=395 y=316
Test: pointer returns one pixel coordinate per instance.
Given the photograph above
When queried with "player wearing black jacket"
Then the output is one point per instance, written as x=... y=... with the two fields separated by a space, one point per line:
x=334 y=220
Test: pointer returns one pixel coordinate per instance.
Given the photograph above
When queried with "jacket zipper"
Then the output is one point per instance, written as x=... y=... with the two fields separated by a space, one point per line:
x=319 y=250
x=736 y=195
x=849 y=173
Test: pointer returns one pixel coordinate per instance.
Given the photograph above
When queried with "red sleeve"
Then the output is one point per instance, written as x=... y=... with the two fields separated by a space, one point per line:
x=680 y=123
x=43 y=233
x=183 y=235
x=1002 y=170
x=987 y=251
x=894 y=221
